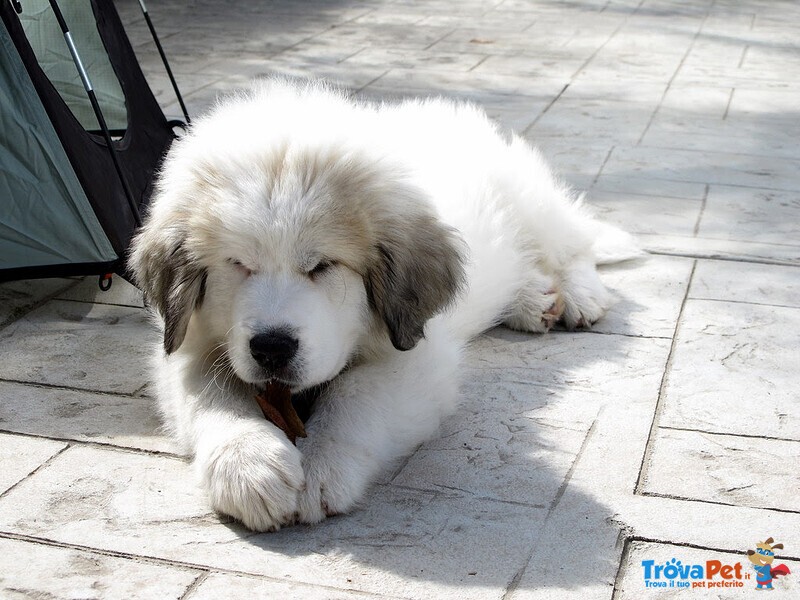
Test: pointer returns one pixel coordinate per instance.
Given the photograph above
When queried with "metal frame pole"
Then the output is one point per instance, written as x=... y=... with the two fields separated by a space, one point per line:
x=165 y=61
x=87 y=85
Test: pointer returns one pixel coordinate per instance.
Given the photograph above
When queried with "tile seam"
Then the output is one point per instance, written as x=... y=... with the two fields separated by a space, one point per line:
x=785 y=511
x=723 y=433
x=648 y=449
x=99 y=445
x=40 y=467
x=57 y=386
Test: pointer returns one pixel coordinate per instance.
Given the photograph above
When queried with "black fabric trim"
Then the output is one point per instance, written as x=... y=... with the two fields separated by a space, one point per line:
x=62 y=270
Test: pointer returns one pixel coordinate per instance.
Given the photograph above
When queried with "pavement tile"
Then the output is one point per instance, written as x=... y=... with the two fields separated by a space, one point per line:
x=760 y=69
x=181 y=64
x=414 y=543
x=21 y=455
x=309 y=50
x=609 y=364
x=416 y=59
x=649 y=93
x=513 y=112
x=475 y=86
x=727 y=469
x=196 y=104
x=733 y=370
x=391 y=16
x=18 y=297
x=33 y=570
x=771 y=22
x=394 y=35
x=765 y=105
x=700 y=523
x=518 y=432
x=696 y=102
x=577 y=554
x=705 y=167
x=504 y=443
x=727 y=21
x=629 y=70
x=636 y=185
x=732 y=77
x=514 y=119
x=740 y=135
x=190 y=86
x=746 y=282
x=218 y=586
x=88 y=290
x=766 y=216
x=580 y=21
x=649 y=294
x=758 y=57
x=646 y=38
x=734 y=250
x=487 y=24
x=479 y=43
x=339 y=73
x=76 y=344
x=631 y=586
x=539 y=64
x=82 y=416
x=577 y=164
x=594 y=120
x=710 y=58
x=639 y=213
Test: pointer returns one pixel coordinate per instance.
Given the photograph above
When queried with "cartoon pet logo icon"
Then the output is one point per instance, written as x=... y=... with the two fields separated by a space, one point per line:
x=762 y=558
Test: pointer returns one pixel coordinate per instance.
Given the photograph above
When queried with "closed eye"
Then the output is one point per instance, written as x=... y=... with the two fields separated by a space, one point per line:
x=320 y=268
x=240 y=267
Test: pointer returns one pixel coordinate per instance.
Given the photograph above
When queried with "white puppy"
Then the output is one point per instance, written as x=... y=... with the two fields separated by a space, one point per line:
x=300 y=236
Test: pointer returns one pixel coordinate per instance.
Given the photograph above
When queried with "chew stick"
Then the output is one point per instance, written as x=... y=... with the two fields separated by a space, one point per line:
x=276 y=404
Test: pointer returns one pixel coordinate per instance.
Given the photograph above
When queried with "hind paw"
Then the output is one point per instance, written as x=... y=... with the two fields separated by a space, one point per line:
x=553 y=315
x=537 y=313
x=586 y=299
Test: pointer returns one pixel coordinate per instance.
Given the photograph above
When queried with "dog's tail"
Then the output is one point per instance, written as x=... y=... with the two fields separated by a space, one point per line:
x=612 y=244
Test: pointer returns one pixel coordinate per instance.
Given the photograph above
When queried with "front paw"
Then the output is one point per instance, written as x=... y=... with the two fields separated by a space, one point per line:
x=336 y=479
x=256 y=478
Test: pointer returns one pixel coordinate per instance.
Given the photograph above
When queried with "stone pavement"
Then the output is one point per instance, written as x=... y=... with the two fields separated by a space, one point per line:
x=670 y=430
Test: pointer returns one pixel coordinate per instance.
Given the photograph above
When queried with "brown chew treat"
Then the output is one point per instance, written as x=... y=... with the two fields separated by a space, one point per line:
x=276 y=404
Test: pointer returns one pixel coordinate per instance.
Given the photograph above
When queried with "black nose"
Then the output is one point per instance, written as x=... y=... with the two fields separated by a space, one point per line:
x=273 y=349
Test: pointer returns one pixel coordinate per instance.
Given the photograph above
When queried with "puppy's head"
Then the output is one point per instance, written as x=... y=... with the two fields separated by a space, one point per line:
x=293 y=260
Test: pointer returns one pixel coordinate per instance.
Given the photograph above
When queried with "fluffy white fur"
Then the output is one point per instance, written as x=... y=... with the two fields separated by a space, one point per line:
x=357 y=228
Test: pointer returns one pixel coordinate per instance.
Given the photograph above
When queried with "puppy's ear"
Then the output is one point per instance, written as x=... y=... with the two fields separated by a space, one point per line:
x=418 y=272
x=170 y=278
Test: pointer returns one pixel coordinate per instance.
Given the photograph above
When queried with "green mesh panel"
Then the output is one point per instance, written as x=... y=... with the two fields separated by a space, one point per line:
x=45 y=218
x=47 y=41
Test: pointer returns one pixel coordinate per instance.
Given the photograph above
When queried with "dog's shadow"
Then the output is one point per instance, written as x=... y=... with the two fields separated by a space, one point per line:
x=473 y=507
